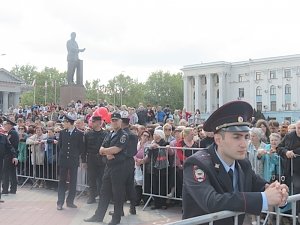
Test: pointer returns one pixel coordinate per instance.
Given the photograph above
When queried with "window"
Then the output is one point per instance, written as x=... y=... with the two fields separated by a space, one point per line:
x=205 y=82
x=240 y=77
x=287 y=73
x=272 y=74
x=287 y=89
x=241 y=93
x=258 y=91
x=272 y=90
x=259 y=106
x=287 y=106
x=218 y=94
x=258 y=76
x=273 y=105
x=217 y=79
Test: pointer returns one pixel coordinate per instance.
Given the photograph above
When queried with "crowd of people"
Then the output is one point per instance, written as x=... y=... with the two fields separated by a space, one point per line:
x=40 y=145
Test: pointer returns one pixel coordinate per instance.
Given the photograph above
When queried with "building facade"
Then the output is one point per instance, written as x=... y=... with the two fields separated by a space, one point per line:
x=10 y=90
x=270 y=85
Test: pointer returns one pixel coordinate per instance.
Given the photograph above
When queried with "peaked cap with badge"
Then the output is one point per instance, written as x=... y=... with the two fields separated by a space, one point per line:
x=231 y=117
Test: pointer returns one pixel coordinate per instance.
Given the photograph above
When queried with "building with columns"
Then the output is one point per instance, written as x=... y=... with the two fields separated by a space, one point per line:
x=10 y=90
x=269 y=84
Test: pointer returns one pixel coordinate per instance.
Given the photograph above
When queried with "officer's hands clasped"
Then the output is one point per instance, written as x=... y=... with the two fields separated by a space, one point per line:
x=277 y=194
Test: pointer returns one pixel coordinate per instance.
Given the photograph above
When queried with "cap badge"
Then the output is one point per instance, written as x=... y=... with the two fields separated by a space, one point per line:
x=240 y=119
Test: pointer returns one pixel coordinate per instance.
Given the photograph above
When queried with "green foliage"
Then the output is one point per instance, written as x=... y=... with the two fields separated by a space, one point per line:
x=161 y=88
x=46 y=84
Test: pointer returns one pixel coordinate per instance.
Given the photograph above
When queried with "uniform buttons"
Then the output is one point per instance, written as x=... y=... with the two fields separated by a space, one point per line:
x=68 y=152
x=68 y=147
x=67 y=157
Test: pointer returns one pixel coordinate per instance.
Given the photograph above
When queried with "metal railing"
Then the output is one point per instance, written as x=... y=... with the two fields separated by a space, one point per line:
x=212 y=217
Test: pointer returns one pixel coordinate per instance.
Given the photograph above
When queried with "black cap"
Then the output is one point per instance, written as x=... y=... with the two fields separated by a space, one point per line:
x=115 y=115
x=232 y=117
x=96 y=118
x=9 y=121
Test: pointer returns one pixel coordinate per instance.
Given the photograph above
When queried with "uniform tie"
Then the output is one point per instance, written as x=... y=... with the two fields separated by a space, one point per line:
x=230 y=173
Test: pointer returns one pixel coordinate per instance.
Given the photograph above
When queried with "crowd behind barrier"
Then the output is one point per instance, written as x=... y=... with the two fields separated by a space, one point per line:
x=166 y=139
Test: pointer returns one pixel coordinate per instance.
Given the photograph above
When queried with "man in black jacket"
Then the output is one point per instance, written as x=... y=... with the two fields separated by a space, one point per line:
x=95 y=163
x=115 y=174
x=71 y=146
x=6 y=150
x=289 y=149
x=220 y=178
x=9 y=171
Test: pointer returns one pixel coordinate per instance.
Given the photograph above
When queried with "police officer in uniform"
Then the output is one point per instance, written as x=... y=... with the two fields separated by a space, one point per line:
x=130 y=152
x=220 y=177
x=9 y=171
x=6 y=149
x=115 y=174
x=95 y=164
x=71 y=145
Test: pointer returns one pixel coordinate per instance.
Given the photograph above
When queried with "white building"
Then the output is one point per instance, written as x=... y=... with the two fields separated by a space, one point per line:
x=271 y=85
x=10 y=90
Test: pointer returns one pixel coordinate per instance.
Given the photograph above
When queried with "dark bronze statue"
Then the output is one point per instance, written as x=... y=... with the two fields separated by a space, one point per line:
x=73 y=61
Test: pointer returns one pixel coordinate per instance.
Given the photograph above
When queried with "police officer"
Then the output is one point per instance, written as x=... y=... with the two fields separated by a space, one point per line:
x=95 y=164
x=220 y=178
x=71 y=146
x=6 y=149
x=115 y=174
x=9 y=170
x=131 y=151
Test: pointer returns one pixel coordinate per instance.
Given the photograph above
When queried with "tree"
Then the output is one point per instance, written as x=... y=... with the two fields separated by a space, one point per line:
x=163 y=88
x=45 y=84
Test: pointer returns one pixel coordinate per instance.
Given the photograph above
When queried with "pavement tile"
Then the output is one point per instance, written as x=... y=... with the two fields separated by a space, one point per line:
x=37 y=206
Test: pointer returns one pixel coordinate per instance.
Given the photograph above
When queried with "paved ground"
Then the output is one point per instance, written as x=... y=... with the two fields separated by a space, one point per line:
x=38 y=207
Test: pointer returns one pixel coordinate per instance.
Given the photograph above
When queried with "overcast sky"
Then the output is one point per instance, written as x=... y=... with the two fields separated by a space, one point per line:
x=137 y=37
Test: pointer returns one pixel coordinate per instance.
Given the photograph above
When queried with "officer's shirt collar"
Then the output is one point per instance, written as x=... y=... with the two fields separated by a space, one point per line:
x=226 y=166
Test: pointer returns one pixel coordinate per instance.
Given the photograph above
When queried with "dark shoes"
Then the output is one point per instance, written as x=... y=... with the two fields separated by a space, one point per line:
x=91 y=201
x=111 y=213
x=112 y=222
x=93 y=219
x=132 y=210
x=71 y=205
x=59 y=207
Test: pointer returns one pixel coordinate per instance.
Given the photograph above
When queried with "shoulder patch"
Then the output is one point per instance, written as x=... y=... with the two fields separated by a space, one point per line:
x=198 y=174
x=123 y=139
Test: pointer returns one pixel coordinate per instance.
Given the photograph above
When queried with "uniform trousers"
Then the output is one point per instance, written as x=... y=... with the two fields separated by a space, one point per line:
x=130 y=189
x=9 y=175
x=63 y=175
x=113 y=185
x=95 y=172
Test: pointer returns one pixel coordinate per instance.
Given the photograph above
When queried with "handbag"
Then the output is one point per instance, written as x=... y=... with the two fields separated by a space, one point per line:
x=162 y=161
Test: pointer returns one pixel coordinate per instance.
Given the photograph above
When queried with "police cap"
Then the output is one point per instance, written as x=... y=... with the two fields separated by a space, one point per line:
x=9 y=121
x=232 y=117
x=115 y=116
x=96 y=118
x=70 y=118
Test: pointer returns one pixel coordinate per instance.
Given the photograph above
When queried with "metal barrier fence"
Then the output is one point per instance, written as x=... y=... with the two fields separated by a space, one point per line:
x=163 y=174
x=210 y=218
x=38 y=163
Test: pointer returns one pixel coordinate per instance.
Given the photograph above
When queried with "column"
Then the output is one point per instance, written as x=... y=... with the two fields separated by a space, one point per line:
x=197 y=92
x=16 y=99
x=5 y=101
x=185 y=92
x=221 y=88
x=209 y=94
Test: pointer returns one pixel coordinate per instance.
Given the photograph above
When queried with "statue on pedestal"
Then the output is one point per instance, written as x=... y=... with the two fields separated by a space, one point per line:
x=73 y=61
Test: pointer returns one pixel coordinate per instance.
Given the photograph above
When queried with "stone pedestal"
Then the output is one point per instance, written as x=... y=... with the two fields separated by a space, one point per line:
x=71 y=92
